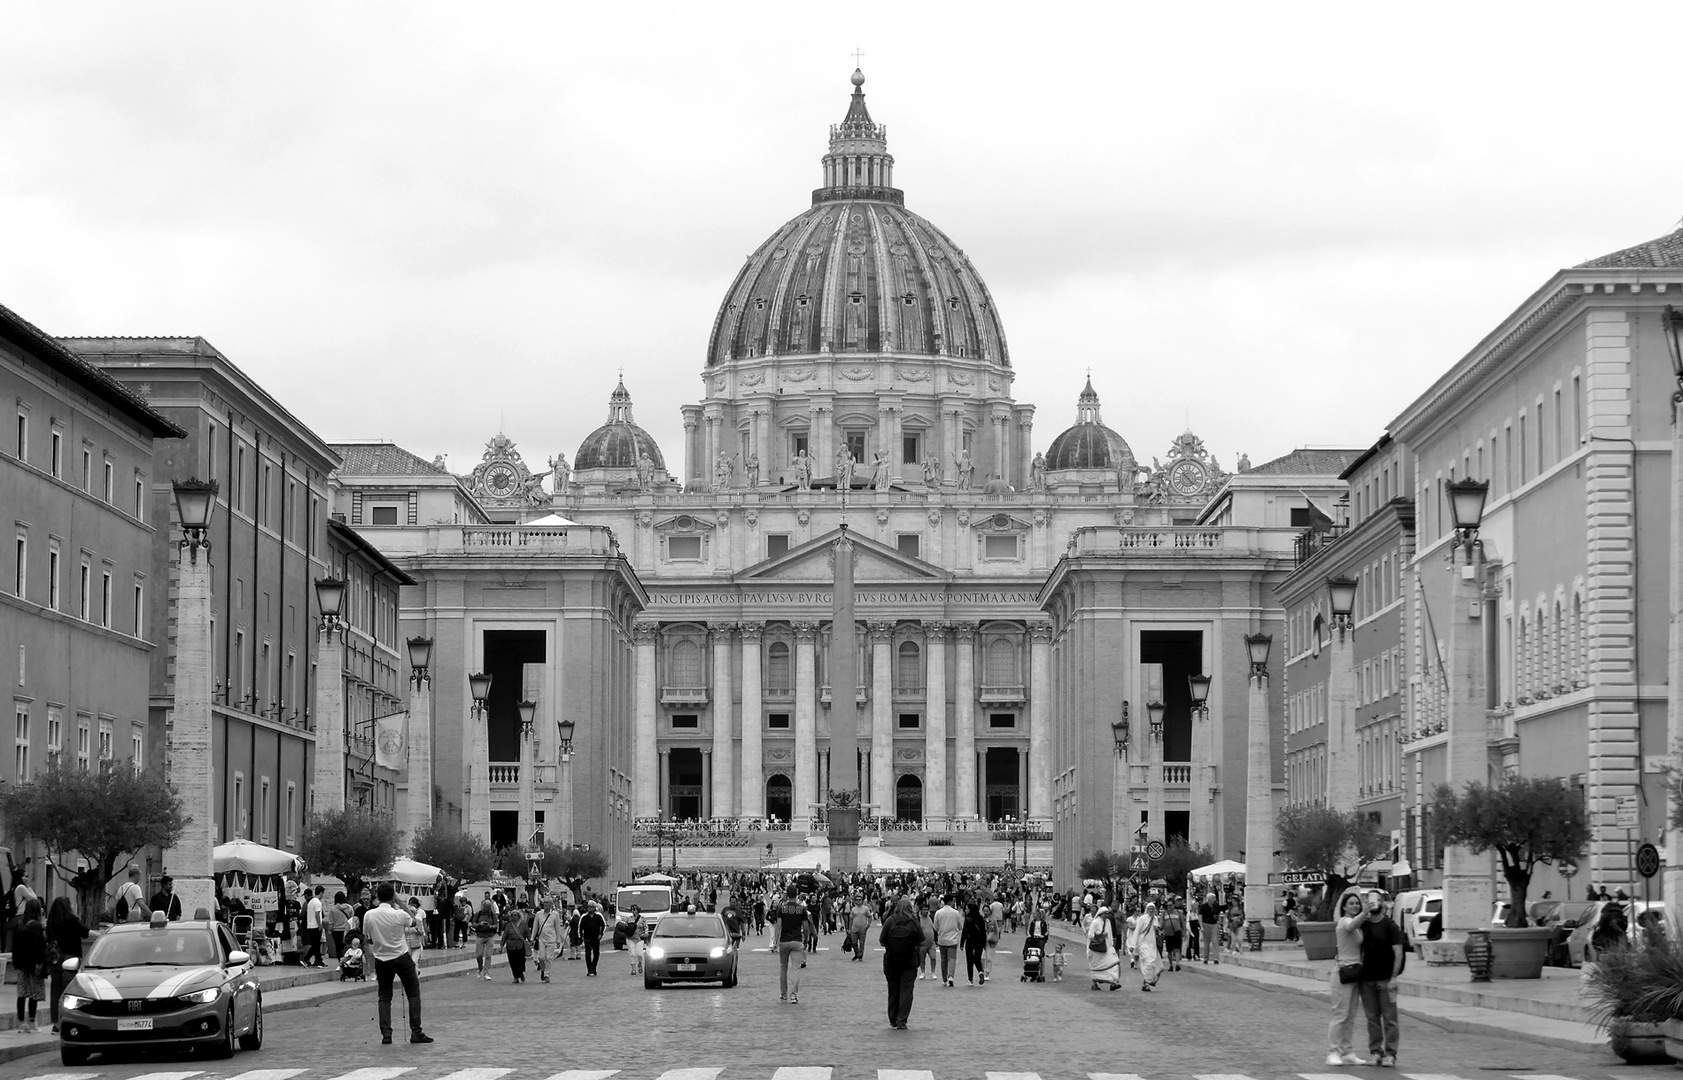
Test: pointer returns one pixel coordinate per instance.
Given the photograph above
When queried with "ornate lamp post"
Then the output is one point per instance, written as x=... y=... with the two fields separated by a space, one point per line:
x=1341 y=697
x=564 y=783
x=191 y=768
x=1154 y=782
x=479 y=769
x=1259 y=789
x=1466 y=877
x=1203 y=782
x=420 y=735
x=330 y=697
x=528 y=822
x=1121 y=799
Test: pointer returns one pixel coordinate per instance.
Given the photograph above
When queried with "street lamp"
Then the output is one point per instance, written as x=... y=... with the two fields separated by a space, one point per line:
x=194 y=501
x=420 y=735
x=1120 y=730
x=479 y=685
x=420 y=659
x=1199 y=687
x=528 y=709
x=330 y=598
x=1259 y=792
x=1466 y=508
x=1672 y=324
x=564 y=730
x=1154 y=711
x=479 y=771
x=191 y=743
x=1341 y=593
x=1466 y=876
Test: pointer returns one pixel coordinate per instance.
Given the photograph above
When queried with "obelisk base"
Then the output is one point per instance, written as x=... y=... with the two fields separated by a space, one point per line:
x=844 y=839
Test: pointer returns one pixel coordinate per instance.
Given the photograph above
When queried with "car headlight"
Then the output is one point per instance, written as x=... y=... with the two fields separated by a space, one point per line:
x=203 y=997
x=717 y=952
x=656 y=952
x=73 y=1001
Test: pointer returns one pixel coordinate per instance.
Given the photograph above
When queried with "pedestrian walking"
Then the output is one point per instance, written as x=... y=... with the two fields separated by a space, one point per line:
x=1174 y=930
x=901 y=938
x=859 y=923
x=1104 y=964
x=926 y=950
x=1346 y=979
x=312 y=930
x=386 y=929
x=485 y=927
x=64 y=941
x=793 y=919
x=1148 y=940
x=1209 y=922
x=29 y=960
x=336 y=921
x=974 y=938
x=591 y=928
x=949 y=929
x=515 y=933
x=548 y=934
x=1384 y=953
x=993 y=922
x=634 y=928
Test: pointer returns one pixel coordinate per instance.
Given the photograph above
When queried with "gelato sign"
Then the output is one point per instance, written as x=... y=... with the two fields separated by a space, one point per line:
x=819 y=598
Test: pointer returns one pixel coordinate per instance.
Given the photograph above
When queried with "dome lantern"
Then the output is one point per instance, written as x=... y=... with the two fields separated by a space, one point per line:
x=858 y=165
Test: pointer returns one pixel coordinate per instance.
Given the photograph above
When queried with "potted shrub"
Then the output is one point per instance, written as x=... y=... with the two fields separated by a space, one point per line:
x=1636 y=994
x=1321 y=840
x=1526 y=820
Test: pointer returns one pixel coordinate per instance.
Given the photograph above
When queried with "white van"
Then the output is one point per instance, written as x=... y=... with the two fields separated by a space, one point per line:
x=1414 y=909
x=653 y=899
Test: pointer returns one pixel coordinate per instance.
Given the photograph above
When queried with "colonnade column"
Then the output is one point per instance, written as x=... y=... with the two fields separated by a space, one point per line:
x=645 y=766
x=752 y=801
x=882 y=719
x=1001 y=431
x=1040 y=725
x=935 y=809
x=724 y=734
x=964 y=722
x=663 y=784
x=806 y=724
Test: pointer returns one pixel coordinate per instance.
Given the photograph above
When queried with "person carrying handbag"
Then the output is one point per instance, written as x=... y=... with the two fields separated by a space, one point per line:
x=29 y=957
x=515 y=944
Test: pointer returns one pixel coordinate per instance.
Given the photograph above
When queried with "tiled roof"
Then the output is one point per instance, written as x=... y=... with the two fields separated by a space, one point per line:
x=1307 y=462
x=382 y=459
x=1663 y=253
x=53 y=353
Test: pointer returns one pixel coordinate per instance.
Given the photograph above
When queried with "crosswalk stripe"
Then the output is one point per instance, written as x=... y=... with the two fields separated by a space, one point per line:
x=1433 y=1076
x=1321 y=1076
x=1542 y=1076
x=1221 y=1076
x=168 y=1075
x=474 y=1074
x=1114 y=1076
x=905 y=1074
x=1012 y=1076
x=584 y=1074
x=63 y=1076
x=365 y=1074
x=268 y=1074
x=691 y=1074
x=802 y=1072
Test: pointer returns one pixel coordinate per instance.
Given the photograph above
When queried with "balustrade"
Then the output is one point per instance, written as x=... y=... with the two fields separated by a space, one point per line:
x=1177 y=774
x=505 y=773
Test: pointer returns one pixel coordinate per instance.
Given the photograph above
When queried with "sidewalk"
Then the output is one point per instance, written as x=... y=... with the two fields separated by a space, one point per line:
x=284 y=987
x=1546 y=1010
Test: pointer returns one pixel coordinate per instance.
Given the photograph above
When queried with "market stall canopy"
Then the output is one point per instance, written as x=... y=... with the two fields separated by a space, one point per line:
x=1225 y=866
x=551 y=521
x=657 y=879
x=410 y=872
x=244 y=856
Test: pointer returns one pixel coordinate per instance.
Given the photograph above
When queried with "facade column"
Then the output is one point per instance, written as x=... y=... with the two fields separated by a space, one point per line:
x=752 y=802
x=1259 y=799
x=192 y=766
x=806 y=725
x=1039 y=808
x=1025 y=445
x=936 y=810
x=664 y=784
x=528 y=819
x=724 y=734
x=882 y=718
x=964 y=721
x=646 y=797
x=706 y=783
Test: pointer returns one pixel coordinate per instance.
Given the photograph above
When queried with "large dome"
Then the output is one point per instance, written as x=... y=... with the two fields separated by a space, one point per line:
x=1089 y=444
x=858 y=272
x=618 y=443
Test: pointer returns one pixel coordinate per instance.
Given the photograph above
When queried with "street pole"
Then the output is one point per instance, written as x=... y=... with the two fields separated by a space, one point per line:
x=191 y=770
x=420 y=736
x=1466 y=876
x=479 y=769
x=1671 y=886
x=1341 y=699
x=329 y=775
x=1259 y=786
x=845 y=798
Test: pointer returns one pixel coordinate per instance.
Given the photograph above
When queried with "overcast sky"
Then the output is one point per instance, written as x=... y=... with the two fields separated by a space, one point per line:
x=425 y=222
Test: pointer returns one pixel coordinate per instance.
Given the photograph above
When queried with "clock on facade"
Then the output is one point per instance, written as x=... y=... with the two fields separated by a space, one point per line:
x=500 y=480
x=1188 y=477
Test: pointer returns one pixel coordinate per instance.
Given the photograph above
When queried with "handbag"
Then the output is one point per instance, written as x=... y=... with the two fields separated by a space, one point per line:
x=1098 y=942
x=847 y=944
x=1349 y=973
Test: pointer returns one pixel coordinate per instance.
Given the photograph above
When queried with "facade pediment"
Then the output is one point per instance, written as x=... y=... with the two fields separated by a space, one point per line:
x=872 y=562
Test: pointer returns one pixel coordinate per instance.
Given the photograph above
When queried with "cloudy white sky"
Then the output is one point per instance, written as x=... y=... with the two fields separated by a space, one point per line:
x=426 y=221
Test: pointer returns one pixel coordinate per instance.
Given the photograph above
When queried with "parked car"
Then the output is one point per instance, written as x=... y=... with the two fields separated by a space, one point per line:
x=1414 y=909
x=1636 y=916
x=690 y=948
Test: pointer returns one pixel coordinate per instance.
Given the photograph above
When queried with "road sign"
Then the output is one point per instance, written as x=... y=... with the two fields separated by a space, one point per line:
x=1626 y=813
x=1154 y=850
x=1647 y=860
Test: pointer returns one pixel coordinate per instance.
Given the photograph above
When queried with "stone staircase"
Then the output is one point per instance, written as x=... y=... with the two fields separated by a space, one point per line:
x=953 y=851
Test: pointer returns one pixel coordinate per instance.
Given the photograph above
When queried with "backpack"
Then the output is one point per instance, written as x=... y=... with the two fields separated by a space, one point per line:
x=122 y=909
x=900 y=937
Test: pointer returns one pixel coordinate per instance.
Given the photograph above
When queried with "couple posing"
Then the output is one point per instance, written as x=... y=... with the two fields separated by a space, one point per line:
x=1370 y=957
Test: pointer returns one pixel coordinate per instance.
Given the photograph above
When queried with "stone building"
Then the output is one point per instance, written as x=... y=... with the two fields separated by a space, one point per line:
x=77 y=468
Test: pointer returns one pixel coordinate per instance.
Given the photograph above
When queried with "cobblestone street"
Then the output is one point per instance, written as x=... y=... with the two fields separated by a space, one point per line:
x=1193 y=1025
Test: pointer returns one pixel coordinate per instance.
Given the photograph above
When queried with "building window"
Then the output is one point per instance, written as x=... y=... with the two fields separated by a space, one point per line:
x=55 y=732
x=778 y=680
x=263 y=810
x=140 y=497
x=263 y=497
x=856 y=444
x=683 y=548
x=105 y=599
x=236 y=499
x=87 y=469
x=1002 y=663
x=910 y=721
x=137 y=748
x=20 y=567
x=908 y=672
x=87 y=589
x=686 y=720
x=20 y=737
x=110 y=482
x=382 y=515
x=291 y=811
x=139 y=608
x=105 y=737
x=57 y=461
x=909 y=448
x=82 y=737
x=686 y=664
x=1002 y=720
x=23 y=437
x=242 y=818
x=799 y=446
x=999 y=547
x=777 y=545
x=907 y=543
x=777 y=720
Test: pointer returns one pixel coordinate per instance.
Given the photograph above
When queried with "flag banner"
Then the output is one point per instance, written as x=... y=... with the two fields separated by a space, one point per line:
x=391 y=741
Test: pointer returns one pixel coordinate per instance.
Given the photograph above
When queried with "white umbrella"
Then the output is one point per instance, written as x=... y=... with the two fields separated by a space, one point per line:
x=251 y=858
x=1225 y=866
x=410 y=872
x=658 y=879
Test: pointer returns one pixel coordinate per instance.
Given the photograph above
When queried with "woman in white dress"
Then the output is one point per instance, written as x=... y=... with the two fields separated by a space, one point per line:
x=1104 y=966
x=1148 y=935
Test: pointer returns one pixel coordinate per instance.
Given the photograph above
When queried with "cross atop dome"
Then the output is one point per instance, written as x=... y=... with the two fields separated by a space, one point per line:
x=858 y=165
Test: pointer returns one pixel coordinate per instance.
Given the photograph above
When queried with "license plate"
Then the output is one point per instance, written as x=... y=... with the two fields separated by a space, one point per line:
x=686 y=967
x=135 y=1025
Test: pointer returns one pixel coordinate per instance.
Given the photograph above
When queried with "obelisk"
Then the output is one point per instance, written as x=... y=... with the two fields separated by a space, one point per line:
x=844 y=802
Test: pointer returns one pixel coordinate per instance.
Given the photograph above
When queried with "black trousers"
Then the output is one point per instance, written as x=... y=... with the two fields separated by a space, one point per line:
x=973 y=960
x=403 y=969
x=902 y=979
x=517 y=963
x=312 y=946
x=592 y=954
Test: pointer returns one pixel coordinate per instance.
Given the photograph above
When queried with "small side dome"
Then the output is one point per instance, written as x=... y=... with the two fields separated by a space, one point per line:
x=618 y=443
x=1089 y=444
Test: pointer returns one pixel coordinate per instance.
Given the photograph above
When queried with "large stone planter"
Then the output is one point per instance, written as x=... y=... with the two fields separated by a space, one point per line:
x=1320 y=940
x=1672 y=1033
x=1519 y=952
x=1637 y=1044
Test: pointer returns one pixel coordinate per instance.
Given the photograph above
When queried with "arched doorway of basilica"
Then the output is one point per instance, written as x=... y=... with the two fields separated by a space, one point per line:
x=1002 y=780
x=908 y=799
x=780 y=798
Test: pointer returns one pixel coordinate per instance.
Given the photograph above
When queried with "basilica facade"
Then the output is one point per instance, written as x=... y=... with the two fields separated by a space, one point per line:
x=857 y=374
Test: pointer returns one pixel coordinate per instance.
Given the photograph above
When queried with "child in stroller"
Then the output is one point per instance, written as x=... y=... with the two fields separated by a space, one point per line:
x=351 y=963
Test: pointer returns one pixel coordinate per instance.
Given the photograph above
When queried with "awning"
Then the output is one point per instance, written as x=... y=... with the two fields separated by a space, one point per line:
x=248 y=857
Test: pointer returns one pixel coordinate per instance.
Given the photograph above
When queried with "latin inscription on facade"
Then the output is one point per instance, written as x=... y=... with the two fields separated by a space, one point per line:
x=866 y=597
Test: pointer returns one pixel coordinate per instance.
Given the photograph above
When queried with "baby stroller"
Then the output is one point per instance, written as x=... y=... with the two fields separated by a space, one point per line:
x=1034 y=960
x=351 y=967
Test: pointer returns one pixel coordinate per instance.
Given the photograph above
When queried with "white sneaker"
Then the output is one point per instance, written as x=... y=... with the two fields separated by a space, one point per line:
x=1334 y=1059
x=1352 y=1059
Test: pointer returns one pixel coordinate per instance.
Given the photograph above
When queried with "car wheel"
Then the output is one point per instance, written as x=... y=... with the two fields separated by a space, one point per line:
x=72 y=1055
x=254 y=1041
x=650 y=982
x=224 y=1047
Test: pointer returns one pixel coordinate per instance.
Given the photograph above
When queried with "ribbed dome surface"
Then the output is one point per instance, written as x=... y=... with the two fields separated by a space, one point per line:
x=858 y=275
x=617 y=444
x=1089 y=446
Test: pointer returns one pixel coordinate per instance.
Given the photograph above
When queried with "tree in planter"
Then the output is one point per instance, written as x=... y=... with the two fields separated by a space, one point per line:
x=573 y=867
x=1335 y=845
x=1178 y=861
x=350 y=845
x=463 y=856
x=102 y=815
x=1107 y=867
x=1526 y=820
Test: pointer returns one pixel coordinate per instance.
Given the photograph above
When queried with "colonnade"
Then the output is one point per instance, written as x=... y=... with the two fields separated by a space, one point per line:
x=736 y=752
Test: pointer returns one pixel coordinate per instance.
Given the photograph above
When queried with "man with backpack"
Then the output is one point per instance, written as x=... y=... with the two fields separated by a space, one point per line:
x=901 y=937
